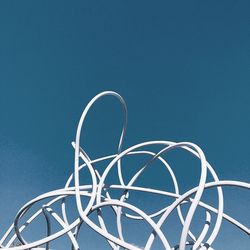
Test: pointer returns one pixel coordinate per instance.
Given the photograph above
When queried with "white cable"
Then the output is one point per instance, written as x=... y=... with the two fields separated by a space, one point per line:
x=99 y=195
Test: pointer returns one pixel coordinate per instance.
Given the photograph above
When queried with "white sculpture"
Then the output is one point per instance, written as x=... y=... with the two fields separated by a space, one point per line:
x=99 y=197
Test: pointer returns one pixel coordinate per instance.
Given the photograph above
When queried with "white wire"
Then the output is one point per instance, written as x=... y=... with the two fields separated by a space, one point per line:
x=99 y=196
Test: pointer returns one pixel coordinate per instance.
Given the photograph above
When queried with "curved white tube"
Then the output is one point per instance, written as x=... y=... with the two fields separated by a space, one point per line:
x=99 y=195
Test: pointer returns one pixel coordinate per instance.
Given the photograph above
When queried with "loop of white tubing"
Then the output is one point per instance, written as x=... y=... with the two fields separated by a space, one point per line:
x=99 y=197
x=62 y=193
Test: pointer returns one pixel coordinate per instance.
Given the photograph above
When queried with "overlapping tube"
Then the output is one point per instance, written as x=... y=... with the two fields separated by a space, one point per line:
x=98 y=194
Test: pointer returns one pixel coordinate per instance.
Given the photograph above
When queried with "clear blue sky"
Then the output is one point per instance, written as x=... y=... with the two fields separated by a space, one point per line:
x=182 y=67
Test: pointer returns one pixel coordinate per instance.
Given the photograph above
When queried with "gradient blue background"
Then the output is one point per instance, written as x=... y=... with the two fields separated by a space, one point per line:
x=182 y=67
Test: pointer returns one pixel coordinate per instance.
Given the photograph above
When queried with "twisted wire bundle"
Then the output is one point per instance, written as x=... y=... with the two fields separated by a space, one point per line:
x=99 y=196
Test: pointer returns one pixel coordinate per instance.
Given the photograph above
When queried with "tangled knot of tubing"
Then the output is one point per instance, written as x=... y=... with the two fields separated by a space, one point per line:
x=98 y=194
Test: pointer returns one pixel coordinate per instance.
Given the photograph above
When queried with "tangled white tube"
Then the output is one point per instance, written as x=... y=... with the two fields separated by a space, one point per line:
x=98 y=196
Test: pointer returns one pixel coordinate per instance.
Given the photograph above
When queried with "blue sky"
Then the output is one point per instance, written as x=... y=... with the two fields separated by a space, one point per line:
x=181 y=66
